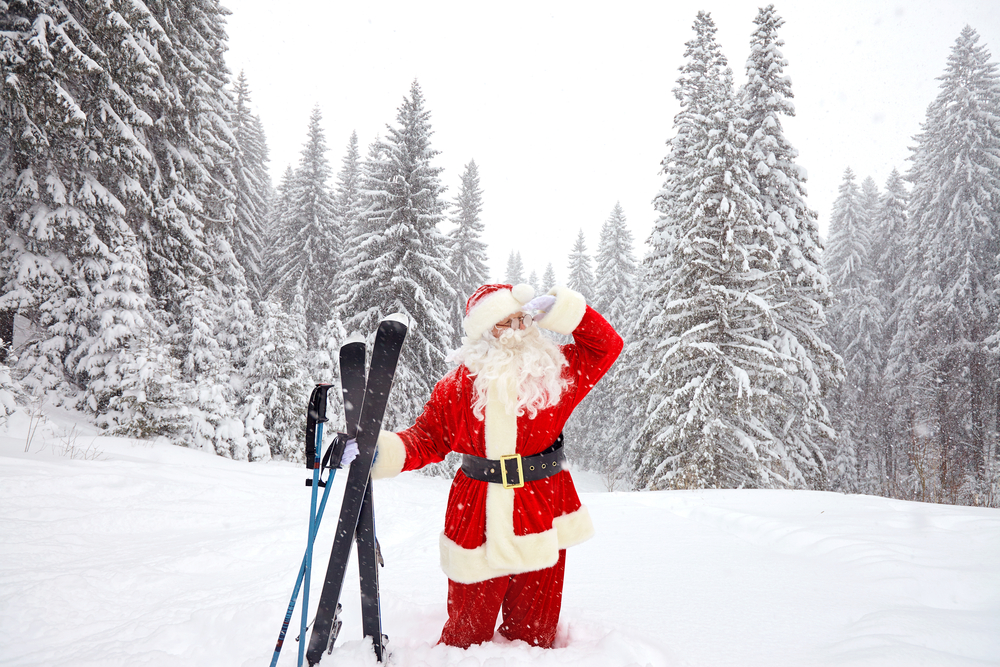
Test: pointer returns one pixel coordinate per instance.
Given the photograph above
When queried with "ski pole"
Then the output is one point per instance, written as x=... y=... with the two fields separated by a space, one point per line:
x=313 y=527
x=315 y=417
x=302 y=569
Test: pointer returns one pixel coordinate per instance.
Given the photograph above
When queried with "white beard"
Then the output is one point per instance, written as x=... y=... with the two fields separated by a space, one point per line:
x=532 y=359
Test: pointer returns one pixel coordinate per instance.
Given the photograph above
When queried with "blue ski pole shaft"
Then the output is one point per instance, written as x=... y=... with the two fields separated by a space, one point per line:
x=313 y=525
x=302 y=570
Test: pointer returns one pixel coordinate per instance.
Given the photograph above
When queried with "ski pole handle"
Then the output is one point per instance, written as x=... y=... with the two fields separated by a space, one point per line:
x=315 y=414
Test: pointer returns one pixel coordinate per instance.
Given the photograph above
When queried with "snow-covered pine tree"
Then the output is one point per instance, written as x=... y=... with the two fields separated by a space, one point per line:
x=616 y=274
x=274 y=232
x=514 y=274
x=856 y=320
x=869 y=198
x=534 y=282
x=253 y=190
x=277 y=385
x=72 y=172
x=309 y=258
x=401 y=263
x=581 y=276
x=468 y=257
x=372 y=169
x=888 y=257
x=697 y=93
x=811 y=366
x=191 y=185
x=616 y=298
x=349 y=204
x=581 y=446
x=888 y=261
x=467 y=253
x=706 y=359
x=11 y=394
x=952 y=306
x=548 y=278
x=214 y=302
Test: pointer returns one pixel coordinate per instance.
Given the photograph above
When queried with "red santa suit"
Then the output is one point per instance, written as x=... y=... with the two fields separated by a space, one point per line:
x=506 y=545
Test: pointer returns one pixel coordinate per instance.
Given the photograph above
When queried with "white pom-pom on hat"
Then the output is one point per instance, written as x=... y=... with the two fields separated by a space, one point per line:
x=523 y=293
x=491 y=303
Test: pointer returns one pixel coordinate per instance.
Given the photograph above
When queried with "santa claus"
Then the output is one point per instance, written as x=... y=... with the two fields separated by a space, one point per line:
x=513 y=509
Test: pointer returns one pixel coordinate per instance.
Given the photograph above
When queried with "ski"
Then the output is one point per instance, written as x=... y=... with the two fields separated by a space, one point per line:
x=385 y=355
x=352 y=373
x=368 y=563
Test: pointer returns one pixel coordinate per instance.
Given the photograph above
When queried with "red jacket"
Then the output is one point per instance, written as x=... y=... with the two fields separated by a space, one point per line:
x=491 y=531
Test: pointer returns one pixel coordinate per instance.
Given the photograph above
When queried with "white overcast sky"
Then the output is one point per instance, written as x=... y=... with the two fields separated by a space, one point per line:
x=565 y=106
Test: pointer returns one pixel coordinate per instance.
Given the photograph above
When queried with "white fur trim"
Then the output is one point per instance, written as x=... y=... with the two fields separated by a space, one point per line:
x=566 y=313
x=391 y=456
x=468 y=566
x=501 y=440
x=500 y=425
x=533 y=552
x=492 y=308
x=574 y=528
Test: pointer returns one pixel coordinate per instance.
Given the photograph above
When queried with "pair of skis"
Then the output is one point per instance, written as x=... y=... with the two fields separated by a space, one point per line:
x=365 y=401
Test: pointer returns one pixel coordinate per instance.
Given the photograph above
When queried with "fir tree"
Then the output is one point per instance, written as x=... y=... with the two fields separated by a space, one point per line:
x=349 y=204
x=275 y=234
x=515 y=269
x=73 y=187
x=581 y=278
x=401 y=262
x=869 y=199
x=357 y=234
x=706 y=363
x=468 y=253
x=253 y=190
x=888 y=251
x=277 y=385
x=888 y=261
x=952 y=306
x=548 y=278
x=534 y=282
x=811 y=366
x=856 y=320
x=309 y=261
x=617 y=279
x=616 y=299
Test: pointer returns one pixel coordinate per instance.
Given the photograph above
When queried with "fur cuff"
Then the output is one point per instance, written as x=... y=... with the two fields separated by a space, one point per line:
x=574 y=528
x=567 y=313
x=390 y=457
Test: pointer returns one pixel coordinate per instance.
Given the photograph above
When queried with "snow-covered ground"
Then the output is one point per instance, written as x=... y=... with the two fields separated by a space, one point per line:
x=119 y=552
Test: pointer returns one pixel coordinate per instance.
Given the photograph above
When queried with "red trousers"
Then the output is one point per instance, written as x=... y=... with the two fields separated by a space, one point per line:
x=530 y=601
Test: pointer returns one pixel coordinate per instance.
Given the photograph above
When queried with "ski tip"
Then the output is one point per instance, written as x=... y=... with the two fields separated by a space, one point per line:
x=353 y=339
x=402 y=318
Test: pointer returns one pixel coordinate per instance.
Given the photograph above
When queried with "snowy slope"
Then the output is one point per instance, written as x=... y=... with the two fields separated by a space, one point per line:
x=136 y=553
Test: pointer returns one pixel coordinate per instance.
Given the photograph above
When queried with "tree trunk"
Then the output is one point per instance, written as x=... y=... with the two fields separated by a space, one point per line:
x=6 y=332
x=979 y=407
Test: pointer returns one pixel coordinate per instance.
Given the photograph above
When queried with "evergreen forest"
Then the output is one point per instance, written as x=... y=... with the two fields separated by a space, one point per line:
x=154 y=277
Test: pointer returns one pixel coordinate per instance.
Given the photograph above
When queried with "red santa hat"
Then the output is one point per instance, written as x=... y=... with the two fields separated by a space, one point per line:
x=491 y=303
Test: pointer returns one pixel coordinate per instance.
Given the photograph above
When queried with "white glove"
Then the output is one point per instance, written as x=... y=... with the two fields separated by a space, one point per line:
x=539 y=307
x=350 y=453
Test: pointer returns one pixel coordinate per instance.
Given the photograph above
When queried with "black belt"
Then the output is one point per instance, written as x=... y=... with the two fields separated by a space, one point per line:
x=515 y=467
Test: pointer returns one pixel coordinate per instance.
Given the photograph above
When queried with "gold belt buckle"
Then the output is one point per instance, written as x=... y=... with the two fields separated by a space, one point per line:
x=503 y=471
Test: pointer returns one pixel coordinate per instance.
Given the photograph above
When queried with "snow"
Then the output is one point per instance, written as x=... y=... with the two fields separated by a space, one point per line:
x=127 y=552
x=402 y=318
